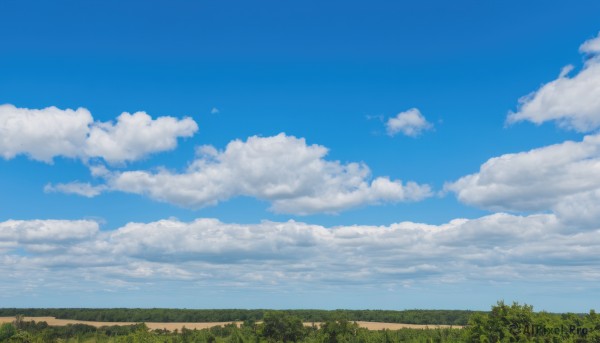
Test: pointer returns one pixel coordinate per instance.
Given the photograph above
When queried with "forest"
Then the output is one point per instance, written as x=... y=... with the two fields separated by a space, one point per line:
x=503 y=323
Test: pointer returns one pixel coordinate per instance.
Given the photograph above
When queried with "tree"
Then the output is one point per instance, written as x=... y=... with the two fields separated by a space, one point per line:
x=7 y=330
x=19 y=321
x=341 y=330
x=280 y=327
x=502 y=324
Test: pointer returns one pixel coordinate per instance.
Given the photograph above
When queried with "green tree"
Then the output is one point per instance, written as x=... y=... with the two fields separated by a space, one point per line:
x=7 y=330
x=341 y=330
x=281 y=327
x=503 y=324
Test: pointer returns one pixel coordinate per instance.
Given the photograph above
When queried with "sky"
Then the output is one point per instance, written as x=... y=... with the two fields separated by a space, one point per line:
x=287 y=154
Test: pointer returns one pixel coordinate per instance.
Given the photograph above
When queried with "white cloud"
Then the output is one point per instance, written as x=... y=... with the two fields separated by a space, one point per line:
x=135 y=136
x=51 y=132
x=282 y=169
x=46 y=231
x=287 y=255
x=573 y=102
x=564 y=178
x=43 y=134
x=79 y=188
x=591 y=46
x=410 y=123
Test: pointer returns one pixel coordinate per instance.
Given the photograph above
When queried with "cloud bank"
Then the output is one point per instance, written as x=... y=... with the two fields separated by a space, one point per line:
x=289 y=255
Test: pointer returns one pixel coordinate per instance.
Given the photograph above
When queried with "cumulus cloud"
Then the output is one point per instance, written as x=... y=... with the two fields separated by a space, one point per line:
x=136 y=135
x=43 y=134
x=564 y=178
x=410 y=123
x=573 y=102
x=495 y=248
x=284 y=170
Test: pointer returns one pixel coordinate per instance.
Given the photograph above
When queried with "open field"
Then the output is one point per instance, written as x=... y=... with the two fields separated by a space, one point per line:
x=168 y=326
x=172 y=326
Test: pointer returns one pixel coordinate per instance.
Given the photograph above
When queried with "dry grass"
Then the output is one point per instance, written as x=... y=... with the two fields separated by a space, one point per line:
x=153 y=326
x=173 y=326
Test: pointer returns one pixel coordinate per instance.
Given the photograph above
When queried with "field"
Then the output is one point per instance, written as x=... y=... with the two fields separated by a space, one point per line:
x=204 y=325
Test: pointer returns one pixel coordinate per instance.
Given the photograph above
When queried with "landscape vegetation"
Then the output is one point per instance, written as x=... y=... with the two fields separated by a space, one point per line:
x=503 y=323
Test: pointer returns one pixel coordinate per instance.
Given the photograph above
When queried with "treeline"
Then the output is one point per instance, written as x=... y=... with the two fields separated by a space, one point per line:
x=441 y=317
x=275 y=327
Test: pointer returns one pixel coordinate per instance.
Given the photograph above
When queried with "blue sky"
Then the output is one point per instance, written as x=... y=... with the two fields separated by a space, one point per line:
x=299 y=154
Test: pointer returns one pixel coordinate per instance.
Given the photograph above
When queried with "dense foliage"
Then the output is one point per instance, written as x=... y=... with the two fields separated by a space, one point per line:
x=448 y=317
x=518 y=323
